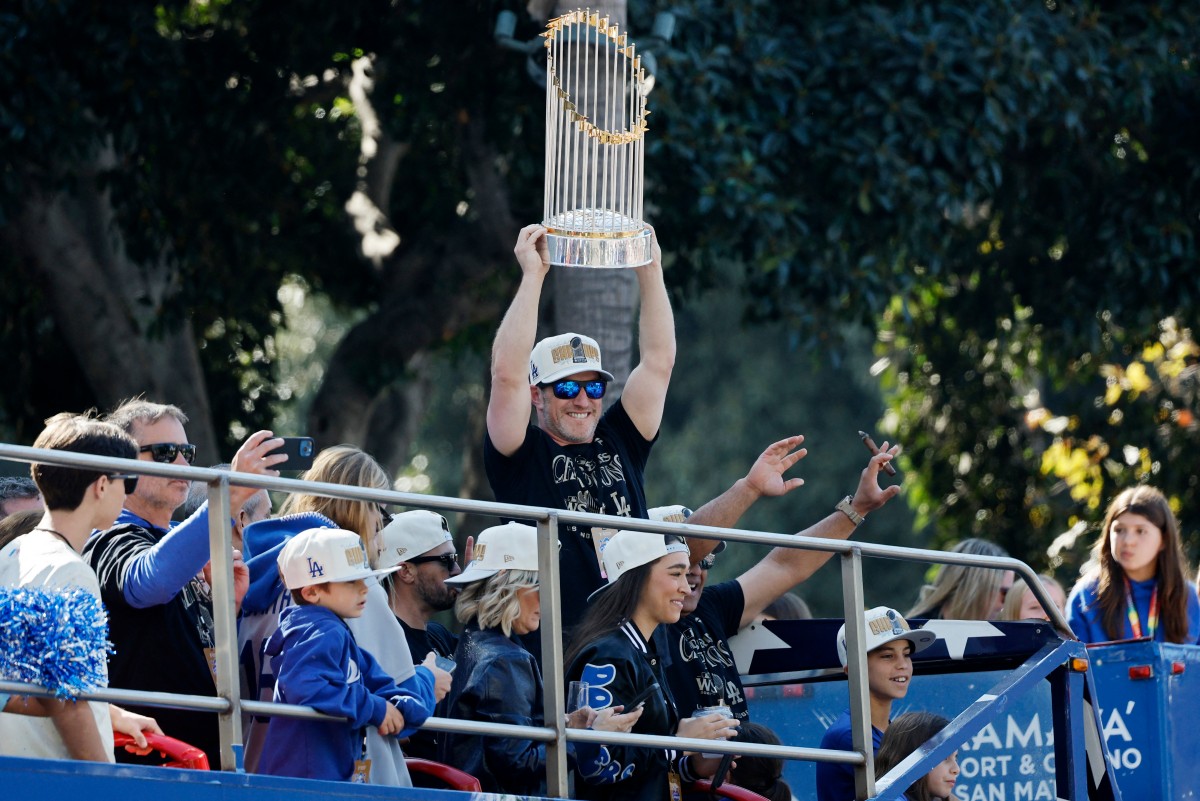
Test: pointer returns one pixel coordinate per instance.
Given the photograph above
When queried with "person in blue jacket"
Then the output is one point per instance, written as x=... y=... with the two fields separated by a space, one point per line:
x=317 y=663
x=1139 y=586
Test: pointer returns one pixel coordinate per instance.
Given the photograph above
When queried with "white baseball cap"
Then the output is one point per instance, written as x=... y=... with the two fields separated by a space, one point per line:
x=679 y=514
x=409 y=535
x=512 y=546
x=563 y=355
x=885 y=625
x=318 y=555
x=627 y=550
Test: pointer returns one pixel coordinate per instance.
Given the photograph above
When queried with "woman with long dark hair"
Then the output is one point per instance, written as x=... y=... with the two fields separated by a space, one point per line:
x=613 y=650
x=1139 y=586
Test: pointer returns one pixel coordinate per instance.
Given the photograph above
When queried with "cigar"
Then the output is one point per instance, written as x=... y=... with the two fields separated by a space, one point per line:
x=874 y=449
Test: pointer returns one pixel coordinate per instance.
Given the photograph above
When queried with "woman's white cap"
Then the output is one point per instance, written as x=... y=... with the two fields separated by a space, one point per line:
x=512 y=546
x=627 y=550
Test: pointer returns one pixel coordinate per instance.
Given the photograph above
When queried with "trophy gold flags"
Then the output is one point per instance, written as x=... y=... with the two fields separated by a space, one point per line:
x=595 y=144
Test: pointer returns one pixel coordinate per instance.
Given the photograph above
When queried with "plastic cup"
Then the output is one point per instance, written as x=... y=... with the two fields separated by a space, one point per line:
x=705 y=711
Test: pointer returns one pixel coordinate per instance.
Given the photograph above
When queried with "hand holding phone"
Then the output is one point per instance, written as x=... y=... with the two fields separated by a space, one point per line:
x=300 y=452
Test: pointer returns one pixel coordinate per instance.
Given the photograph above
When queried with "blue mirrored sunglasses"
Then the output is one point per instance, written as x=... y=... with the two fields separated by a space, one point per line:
x=566 y=390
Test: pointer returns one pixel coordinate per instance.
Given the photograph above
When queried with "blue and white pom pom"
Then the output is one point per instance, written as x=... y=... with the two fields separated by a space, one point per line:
x=57 y=638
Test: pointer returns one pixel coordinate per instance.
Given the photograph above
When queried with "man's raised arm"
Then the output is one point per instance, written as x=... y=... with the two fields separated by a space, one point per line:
x=646 y=390
x=765 y=478
x=509 y=405
x=784 y=568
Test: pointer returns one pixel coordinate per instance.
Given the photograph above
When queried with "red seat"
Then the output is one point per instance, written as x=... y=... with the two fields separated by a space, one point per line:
x=180 y=754
x=702 y=788
x=452 y=778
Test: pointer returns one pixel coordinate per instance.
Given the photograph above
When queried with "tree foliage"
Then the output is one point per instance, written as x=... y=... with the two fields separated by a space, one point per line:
x=1005 y=189
x=1005 y=192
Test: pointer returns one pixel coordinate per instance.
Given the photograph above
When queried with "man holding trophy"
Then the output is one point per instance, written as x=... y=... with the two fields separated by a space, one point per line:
x=578 y=457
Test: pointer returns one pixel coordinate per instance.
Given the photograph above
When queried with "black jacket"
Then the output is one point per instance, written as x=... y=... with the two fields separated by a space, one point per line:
x=617 y=667
x=498 y=681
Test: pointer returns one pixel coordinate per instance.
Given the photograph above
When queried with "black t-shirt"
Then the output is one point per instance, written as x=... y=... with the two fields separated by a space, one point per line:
x=701 y=669
x=604 y=476
x=159 y=648
x=437 y=638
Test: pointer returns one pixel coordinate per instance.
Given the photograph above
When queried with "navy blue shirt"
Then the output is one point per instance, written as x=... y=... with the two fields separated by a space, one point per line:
x=835 y=782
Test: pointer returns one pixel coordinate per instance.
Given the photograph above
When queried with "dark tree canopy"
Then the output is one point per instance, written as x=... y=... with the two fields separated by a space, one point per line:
x=1006 y=192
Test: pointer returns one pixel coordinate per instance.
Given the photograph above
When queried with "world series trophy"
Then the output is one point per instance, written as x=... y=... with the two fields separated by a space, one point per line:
x=595 y=144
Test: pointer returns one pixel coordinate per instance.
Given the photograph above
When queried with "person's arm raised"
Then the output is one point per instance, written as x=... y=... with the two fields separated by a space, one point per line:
x=508 y=406
x=646 y=390
x=765 y=478
x=784 y=568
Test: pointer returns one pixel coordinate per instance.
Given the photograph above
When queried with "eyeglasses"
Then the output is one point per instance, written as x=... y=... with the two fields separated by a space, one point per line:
x=448 y=560
x=566 y=390
x=385 y=517
x=129 y=479
x=166 y=452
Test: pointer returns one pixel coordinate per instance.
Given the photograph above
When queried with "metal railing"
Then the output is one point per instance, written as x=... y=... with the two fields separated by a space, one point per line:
x=229 y=705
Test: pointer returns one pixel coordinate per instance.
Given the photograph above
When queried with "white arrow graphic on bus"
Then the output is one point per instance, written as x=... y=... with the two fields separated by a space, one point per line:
x=957 y=632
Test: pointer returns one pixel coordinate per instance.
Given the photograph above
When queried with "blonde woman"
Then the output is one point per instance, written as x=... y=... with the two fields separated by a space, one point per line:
x=1021 y=604
x=966 y=593
x=498 y=681
x=376 y=631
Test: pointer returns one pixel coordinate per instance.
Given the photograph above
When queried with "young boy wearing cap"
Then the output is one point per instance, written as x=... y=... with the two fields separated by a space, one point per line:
x=890 y=646
x=317 y=663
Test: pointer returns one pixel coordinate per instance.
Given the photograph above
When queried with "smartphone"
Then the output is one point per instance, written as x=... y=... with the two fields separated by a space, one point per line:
x=641 y=698
x=299 y=452
x=445 y=663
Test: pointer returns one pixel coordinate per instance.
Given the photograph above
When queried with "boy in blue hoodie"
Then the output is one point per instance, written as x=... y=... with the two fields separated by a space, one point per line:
x=317 y=663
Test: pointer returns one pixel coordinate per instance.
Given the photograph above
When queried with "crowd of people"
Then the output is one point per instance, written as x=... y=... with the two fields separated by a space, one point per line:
x=336 y=598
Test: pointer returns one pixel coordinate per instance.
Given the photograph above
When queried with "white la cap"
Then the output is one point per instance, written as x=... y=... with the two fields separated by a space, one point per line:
x=512 y=546
x=409 y=535
x=563 y=355
x=318 y=555
x=885 y=625
x=627 y=550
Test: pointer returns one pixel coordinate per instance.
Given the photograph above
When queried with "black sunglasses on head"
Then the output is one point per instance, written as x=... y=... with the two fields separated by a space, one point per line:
x=385 y=517
x=166 y=452
x=448 y=560
x=566 y=390
x=129 y=479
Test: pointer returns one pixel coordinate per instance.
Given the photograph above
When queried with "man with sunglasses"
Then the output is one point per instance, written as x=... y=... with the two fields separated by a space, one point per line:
x=419 y=541
x=151 y=571
x=77 y=502
x=700 y=668
x=578 y=457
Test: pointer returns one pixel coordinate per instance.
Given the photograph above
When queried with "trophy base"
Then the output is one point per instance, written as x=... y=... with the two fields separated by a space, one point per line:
x=604 y=251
